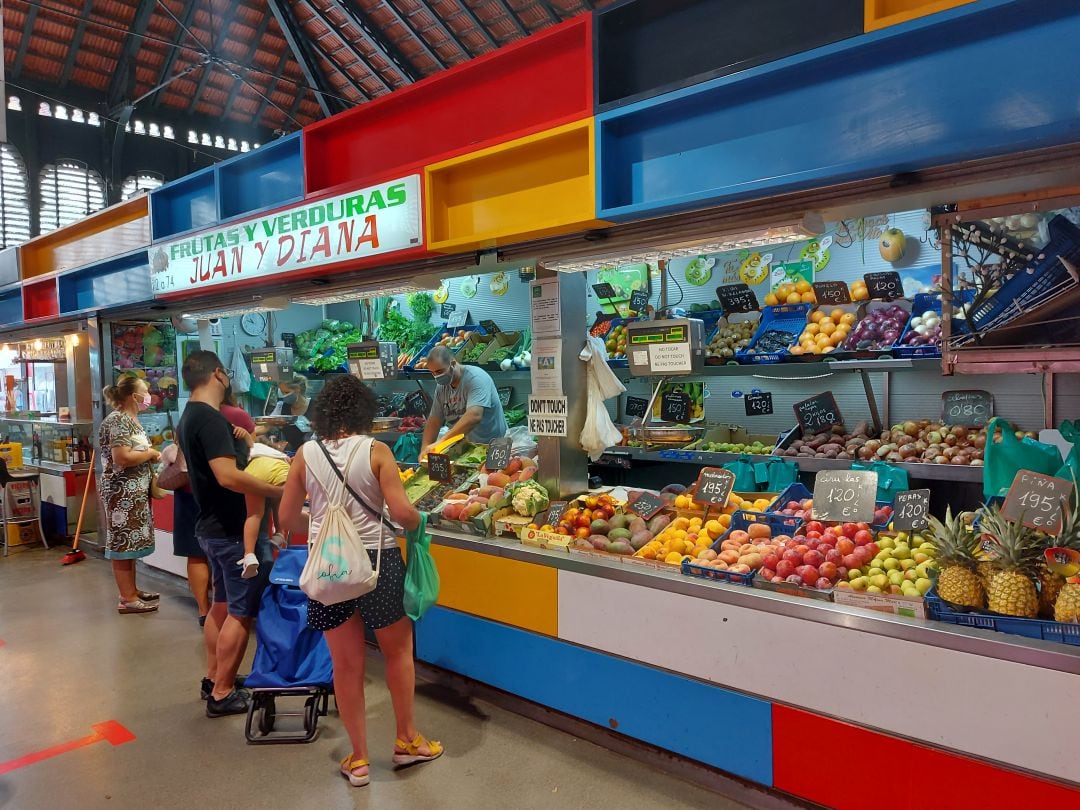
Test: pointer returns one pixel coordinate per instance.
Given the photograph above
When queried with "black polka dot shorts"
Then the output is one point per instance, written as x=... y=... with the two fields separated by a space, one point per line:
x=378 y=609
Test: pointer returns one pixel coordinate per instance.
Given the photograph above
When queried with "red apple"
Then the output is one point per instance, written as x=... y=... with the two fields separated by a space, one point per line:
x=825 y=548
x=841 y=573
x=770 y=561
x=808 y=573
x=793 y=506
x=862 y=527
x=815 y=526
x=813 y=536
x=814 y=558
x=862 y=543
x=833 y=556
x=802 y=549
x=792 y=556
x=828 y=570
x=777 y=579
x=823 y=584
x=845 y=546
x=860 y=535
x=864 y=556
x=785 y=568
x=768 y=573
x=794 y=579
x=813 y=542
x=874 y=549
x=850 y=530
x=852 y=561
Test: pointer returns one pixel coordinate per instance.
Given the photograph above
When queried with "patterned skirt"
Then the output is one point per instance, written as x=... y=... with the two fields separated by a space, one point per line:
x=129 y=529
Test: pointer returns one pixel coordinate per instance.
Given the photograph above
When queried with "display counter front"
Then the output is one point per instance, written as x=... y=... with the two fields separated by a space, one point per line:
x=776 y=689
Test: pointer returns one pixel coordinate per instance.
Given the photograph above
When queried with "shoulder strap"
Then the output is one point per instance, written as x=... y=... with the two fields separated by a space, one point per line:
x=350 y=490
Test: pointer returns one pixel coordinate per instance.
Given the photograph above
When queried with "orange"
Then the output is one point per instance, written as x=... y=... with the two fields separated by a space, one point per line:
x=848 y=318
x=802 y=286
x=816 y=315
x=811 y=328
x=797 y=350
x=826 y=327
x=771 y=300
x=837 y=315
x=647 y=553
x=793 y=298
x=809 y=297
x=784 y=290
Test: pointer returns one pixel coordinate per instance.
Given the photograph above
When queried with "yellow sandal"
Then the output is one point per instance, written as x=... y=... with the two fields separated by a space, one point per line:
x=348 y=765
x=406 y=754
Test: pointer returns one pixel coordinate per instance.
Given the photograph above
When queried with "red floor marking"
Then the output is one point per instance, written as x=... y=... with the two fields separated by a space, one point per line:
x=110 y=732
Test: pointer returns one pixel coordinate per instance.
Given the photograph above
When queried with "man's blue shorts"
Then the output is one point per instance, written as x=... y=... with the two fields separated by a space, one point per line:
x=242 y=595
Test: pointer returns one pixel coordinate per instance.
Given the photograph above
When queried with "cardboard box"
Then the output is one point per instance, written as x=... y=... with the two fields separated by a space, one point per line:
x=500 y=340
x=910 y=606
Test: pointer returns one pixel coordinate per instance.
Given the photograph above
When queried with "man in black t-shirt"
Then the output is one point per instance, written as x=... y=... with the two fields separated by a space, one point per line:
x=219 y=486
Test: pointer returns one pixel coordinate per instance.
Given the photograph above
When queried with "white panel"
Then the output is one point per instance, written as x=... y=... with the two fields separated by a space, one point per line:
x=163 y=558
x=53 y=489
x=1012 y=713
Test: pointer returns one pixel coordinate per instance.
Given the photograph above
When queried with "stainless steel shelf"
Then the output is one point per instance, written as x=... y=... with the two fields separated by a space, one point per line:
x=813 y=369
x=52 y=421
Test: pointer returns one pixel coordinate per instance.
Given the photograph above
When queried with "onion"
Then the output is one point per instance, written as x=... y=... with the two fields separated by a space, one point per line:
x=941 y=460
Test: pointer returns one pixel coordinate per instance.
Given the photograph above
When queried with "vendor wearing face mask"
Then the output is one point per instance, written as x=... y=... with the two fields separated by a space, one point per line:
x=465 y=400
x=292 y=401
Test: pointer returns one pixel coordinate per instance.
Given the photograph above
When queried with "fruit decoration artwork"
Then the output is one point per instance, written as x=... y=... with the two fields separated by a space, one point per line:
x=499 y=284
x=700 y=270
x=469 y=286
x=442 y=293
x=892 y=244
x=817 y=251
x=754 y=268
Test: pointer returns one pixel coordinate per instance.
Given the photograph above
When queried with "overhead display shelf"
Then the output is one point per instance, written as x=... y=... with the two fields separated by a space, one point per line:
x=119 y=228
x=110 y=283
x=40 y=300
x=883 y=13
x=11 y=306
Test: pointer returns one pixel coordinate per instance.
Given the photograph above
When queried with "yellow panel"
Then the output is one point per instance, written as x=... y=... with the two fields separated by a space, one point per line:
x=508 y=591
x=540 y=185
x=883 y=13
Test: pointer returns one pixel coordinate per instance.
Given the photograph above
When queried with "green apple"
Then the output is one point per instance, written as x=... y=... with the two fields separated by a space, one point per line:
x=860 y=583
x=854 y=574
x=902 y=551
x=923 y=585
x=891 y=564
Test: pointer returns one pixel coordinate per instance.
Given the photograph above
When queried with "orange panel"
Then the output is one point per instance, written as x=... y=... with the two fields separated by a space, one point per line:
x=883 y=13
x=110 y=232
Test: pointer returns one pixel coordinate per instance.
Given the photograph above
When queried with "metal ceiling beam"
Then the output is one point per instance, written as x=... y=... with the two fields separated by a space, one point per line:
x=253 y=46
x=512 y=16
x=122 y=84
x=374 y=37
x=302 y=52
x=407 y=24
x=443 y=27
x=226 y=21
x=27 y=35
x=76 y=42
x=480 y=27
x=348 y=46
x=174 y=51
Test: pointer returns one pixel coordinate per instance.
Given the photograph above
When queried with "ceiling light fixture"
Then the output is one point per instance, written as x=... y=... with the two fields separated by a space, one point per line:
x=353 y=294
x=257 y=305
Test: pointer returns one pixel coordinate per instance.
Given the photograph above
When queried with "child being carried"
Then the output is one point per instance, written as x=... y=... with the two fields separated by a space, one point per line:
x=272 y=467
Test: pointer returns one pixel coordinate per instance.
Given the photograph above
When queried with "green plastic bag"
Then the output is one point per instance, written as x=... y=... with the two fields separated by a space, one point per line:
x=776 y=475
x=421 y=575
x=1003 y=460
x=890 y=479
x=407 y=448
x=1070 y=431
x=745 y=474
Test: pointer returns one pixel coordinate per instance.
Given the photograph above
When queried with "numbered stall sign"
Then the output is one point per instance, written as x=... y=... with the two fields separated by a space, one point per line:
x=498 y=454
x=845 y=496
x=646 y=505
x=714 y=485
x=818 y=413
x=636 y=406
x=438 y=466
x=674 y=407
x=911 y=510
x=759 y=404
x=967 y=408
x=737 y=298
x=1036 y=500
x=885 y=285
x=830 y=293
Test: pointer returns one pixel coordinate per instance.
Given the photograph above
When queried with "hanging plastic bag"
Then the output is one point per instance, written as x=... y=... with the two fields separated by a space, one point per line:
x=1003 y=460
x=775 y=474
x=407 y=448
x=599 y=432
x=745 y=474
x=521 y=441
x=421 y=575
x=1070 y=432
x=241 y=377
x=890 y=479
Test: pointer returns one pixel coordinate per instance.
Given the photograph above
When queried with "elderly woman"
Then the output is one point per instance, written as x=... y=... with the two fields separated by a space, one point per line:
x=127 y=470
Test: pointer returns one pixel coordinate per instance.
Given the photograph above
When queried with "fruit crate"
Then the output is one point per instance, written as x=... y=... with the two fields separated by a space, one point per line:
x=791 y=589
x=794 y=492
x=786 y=318
x=873 y=354
x=893 y=604
x=712 y=329
x=1061 y=632
x=500 y=340
x=852 y=309
x=920 y=305
x=444 y=329
x=741 y=520
x=705 y=572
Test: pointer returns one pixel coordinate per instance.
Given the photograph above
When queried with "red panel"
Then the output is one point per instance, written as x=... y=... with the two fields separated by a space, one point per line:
x=534 y=84
x=163 y=513
x=893 y=774
x=40 y=300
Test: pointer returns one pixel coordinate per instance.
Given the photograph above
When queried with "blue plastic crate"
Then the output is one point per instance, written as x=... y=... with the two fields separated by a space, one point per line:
x=794 y=492
x=708 y=572
x=940 y=610
x=411 y=365
x=786 y=317
x=922 y=303
x=780 y=524
x=710 y=332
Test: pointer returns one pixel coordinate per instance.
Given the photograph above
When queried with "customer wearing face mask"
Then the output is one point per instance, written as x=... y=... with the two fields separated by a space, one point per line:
x=465 y=400
x=126 y=471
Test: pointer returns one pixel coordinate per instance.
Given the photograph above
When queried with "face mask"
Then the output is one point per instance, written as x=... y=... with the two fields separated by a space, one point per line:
x=142 y=402
x=445 y=378
x=289 y=399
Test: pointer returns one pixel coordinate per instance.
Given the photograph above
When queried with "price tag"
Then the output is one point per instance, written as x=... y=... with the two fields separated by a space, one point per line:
x=446 y=310
x=639 y=301
x=674 y=407
x=457 y=318
x=967 y=408
x=911 y=510
x=759 y=404
x=417 y=402
x=885 y=285
x=736 y=298
x=555 y=511
x=505 y=392
x=1035 y=500
x=288 y=339
x=845 y=496
x=498 y=454
x=646 y=505
x=438 y=466
x=636 y=406
x=604 y=290
x=831 y=292
x=818 y=413
x=714 y=485
x=490 y=327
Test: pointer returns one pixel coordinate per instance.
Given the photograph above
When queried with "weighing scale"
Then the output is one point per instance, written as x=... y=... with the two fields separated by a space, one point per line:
x=373 y=360
x=665 y=348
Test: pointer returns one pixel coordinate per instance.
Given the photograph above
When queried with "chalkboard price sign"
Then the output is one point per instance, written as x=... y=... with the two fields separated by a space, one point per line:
x=288 y=339
x=604 y=290
x=831 y=293
x=1036 y=500
x=911 y=510
x=636 y=406
x=736 y=298
x=555 y=511
x=490 y=327
x=446 y=310
x=885 y=285
x=759 y=404
x=845 y=496
x=505 y=392
x=639 y=301
x=646 y=505
x=967 y=408
x=714 y=485
x=674 y=407
x=458 y=318
x=818 y=413
x=417 y=402
x=438 y=465
x=498 y=454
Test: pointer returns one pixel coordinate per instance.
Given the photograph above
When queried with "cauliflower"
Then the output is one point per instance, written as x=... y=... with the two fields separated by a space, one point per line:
x=528 y=497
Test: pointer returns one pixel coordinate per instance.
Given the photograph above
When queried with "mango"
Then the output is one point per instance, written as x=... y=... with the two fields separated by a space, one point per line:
x=620 y=547
x=619 y=534
x=498 y=479
x=638 y=525
x=600 y=527
x=620 y=521
x=659 y=523
x=640 y=539
x=599 y=542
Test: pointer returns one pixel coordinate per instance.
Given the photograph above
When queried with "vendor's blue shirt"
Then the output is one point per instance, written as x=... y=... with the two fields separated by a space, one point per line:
x=476 y=388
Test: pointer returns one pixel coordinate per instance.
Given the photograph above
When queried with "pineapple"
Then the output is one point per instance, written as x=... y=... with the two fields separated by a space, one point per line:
x=956 y=545
x=1051 y=584
x=1067 y=606
x=1017 y=552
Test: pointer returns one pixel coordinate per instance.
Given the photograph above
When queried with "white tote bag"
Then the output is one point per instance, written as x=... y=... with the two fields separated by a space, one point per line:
x=338 y=567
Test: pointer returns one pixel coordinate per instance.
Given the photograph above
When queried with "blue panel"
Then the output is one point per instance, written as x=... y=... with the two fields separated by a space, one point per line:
x=706 y=723
x=9 y=266
x=186 y=204
x=11 y=308
x=110 y=283
x=272 y=175
x=987 y=78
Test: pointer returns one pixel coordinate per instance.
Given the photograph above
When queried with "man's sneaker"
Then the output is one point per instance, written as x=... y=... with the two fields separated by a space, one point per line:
x=236 y=702
x=207 y=686
x=277 y=540
x=250 y=564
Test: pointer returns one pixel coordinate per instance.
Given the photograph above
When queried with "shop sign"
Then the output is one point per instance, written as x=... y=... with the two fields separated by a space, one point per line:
x=358 y=225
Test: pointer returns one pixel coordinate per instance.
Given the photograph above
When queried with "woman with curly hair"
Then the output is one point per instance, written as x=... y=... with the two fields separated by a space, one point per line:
x=344 y=411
